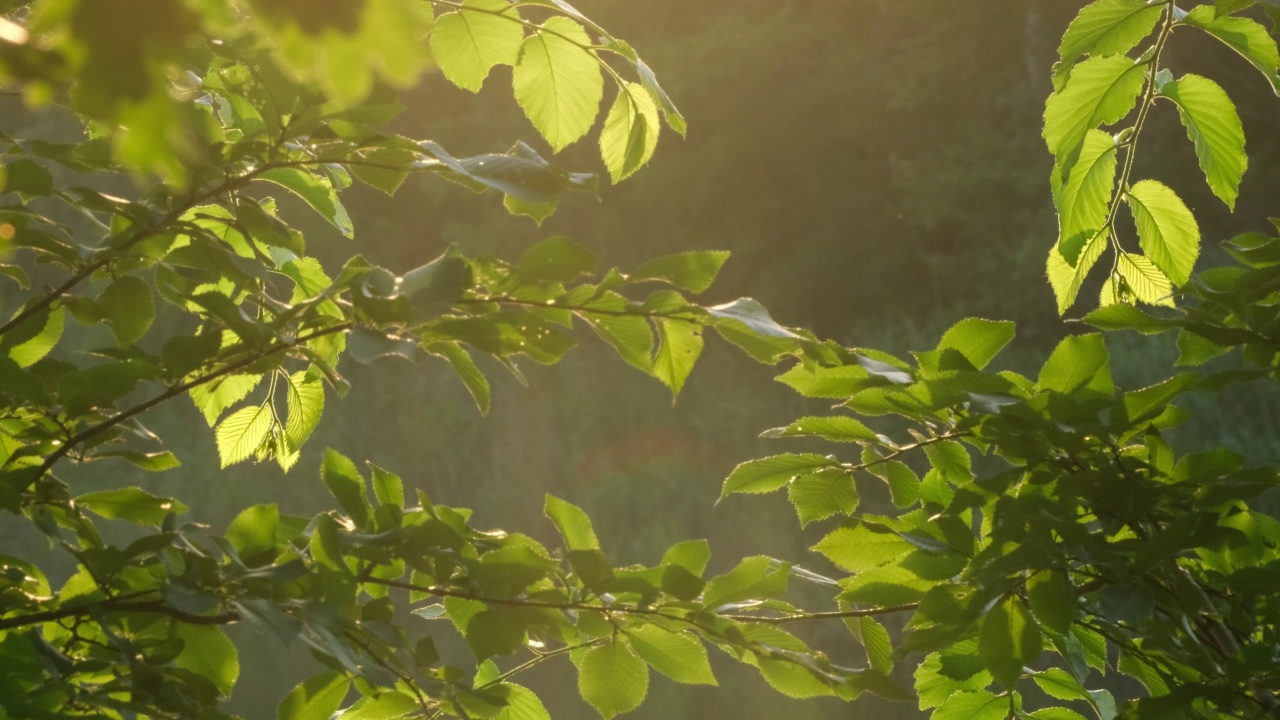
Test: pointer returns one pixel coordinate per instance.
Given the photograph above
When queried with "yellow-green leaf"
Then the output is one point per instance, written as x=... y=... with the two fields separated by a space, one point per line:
x=241 y=434
x=630 y=133
x=1167 y=230
x=469 y=42
x=558 y=82
x=1214 y=126
x=1105 y=27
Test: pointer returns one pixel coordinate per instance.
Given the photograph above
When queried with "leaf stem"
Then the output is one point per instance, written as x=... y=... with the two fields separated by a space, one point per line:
x=1131 y=146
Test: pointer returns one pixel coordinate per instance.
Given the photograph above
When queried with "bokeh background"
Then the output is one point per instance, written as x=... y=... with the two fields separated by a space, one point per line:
x=877 y=171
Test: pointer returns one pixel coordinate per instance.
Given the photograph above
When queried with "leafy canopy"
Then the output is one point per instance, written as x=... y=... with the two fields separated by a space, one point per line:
x=1043 y=533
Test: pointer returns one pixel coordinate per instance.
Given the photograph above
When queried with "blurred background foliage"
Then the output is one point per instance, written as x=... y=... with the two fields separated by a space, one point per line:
x=875 y=167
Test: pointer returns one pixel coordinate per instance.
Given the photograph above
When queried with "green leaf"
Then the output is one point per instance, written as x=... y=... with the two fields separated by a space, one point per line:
x=127 y=304
x=522 y=704
x=151 y=462
x=467 y=371
x=939 y=677
x=573 y=524
x=558 y=82
x=978 y=340
x=791 y=679
x=979 y=705
x=755 y=578
x=27 y=177
x=253 y=533
x=630 y=133
x=752 y=316
x=304 y=400
x=679 y=345
x=1058 y=683
x=858 y=548
x=316 y=697
x=1196 y=349
x=1065 y=279
x=693 y=271
x=1105 y=27
x=208 y=652
x=678 y=655
x=387 y=487
x=875 y=640
x=1101 y=91
x=347 y=487
x=1008 y=640
x=1141 y=279
x=613 y=679
x=315 y=191
x=692 y=555
x=1167 y=230
x=770 y=474
x=556 y=259
x=1056 y=713
x=1053 y=600
x=629 y=335
x=672 y=115
x=1243 y=35
x=1085 y=200
x=1077 y=361
x=45 y=330
x=468 y=43
x=131 y=504
x=823 y=494
x=1150 y=677
x=383 y=706
x=836 y=428
x=1125 y=317
x=1213 y=125
x=213 y=398
x=241 y=434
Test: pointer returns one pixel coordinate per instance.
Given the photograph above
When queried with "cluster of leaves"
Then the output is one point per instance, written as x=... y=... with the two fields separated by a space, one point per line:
x=138 y=628
x=1089 y=182
x=259 y=104
x=1046 y=534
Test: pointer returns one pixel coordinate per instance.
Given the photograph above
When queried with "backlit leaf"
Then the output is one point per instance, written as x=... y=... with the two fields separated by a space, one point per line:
x=1245 y=36
x=679 y=345
x=858 y=549
x=1008 y=640
x=573 y=524
x=1084 y=201
x=316 y=697
x=630 y=133
x=769 y=474
x=209 y=652
x=241 y=434
x=1167 y=230
x=127 y=304
x=1213 y=125
x=558 y=82
x=1105 y=27
x=678 y=655
x=130 y=504
x=1101 y=91
x=820 y=495
x=315 y=191
x=469 y=42
x=694 y=271
x=613 y=679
